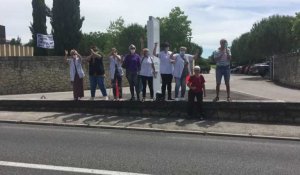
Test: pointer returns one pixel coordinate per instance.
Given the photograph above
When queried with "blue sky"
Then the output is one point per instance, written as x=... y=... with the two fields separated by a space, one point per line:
x=211 y=19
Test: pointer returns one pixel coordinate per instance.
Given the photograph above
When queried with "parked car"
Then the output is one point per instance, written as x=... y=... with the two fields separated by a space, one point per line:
x=264 y=69
x=236 y=70
x=253 y=70
x=205 y=69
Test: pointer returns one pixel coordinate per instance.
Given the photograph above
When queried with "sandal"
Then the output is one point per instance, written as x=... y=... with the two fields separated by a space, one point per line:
x=228 y=99
x=216 y=99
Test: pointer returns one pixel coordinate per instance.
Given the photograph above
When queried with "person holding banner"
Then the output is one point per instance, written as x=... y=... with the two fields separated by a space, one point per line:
x=96 y=72
x=182 y=70
x=116 y=73
x=166 y=69
x=76 y=73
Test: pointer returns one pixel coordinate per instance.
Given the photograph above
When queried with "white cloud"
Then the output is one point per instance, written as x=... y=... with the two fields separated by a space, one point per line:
x=211 y=19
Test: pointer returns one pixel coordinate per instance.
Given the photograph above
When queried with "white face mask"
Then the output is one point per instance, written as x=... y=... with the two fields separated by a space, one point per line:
x=132 y=51
x=182 y=52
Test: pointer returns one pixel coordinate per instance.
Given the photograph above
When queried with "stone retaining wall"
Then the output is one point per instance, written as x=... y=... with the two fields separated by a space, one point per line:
x=287 y=70
x=278 y=112
x=22 y=75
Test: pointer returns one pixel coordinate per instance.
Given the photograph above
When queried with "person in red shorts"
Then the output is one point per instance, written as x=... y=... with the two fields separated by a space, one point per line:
x=196 y=83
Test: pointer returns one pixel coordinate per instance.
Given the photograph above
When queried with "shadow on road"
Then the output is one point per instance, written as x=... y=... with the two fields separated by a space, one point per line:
x=126 y=121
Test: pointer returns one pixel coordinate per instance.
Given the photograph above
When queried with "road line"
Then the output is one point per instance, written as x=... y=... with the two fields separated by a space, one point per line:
x=64 y=168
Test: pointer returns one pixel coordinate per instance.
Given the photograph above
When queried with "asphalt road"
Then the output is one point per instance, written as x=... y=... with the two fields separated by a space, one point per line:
x=141 y=152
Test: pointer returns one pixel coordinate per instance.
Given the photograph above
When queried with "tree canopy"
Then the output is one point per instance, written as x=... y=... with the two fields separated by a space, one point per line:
x=176 y=28
x=66 y=25
x=270 y=36
x=39 y=13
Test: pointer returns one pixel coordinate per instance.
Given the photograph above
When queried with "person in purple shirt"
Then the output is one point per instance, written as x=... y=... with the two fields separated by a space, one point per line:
x=132 y=64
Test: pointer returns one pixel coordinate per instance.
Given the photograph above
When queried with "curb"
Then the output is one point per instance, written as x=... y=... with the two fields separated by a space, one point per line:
x=204 y=133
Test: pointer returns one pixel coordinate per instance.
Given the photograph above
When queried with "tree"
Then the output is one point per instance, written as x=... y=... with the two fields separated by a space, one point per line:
x=131 y=35
x=273 y=35
x=296 y=30
x=16 y=41
x=175 y=28
x=66 y=25
x=39 y=12
x=94 y=39
x=114 y=30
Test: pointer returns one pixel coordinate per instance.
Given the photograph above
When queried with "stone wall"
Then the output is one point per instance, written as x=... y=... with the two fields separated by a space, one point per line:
x=287 y=70
x=274 y=112
x=21 y=75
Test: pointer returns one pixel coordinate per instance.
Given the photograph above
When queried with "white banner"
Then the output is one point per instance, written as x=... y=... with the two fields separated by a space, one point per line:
x=45 y=41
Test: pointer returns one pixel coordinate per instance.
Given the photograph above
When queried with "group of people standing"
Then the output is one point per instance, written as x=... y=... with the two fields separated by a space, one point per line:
x=140 y=71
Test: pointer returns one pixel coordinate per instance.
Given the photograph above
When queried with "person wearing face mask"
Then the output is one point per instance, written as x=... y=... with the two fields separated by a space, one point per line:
x=166 y=69
x=147 y=72
x=182 y=69
x=222 y=57
x=76 y=73
x=116 y=73
x=132 y=64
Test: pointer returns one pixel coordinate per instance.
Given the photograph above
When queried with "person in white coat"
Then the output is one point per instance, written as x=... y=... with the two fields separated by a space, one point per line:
x=76 y=73
x=116 y=73
x=182 y=69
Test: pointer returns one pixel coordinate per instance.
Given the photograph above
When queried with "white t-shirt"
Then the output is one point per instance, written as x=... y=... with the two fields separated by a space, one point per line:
x=146 y=67
x=180 y=62
x=166 y=67
x=224 y=61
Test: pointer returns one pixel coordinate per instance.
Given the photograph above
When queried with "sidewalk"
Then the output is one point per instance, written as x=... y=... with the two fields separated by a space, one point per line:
x=243 y=88
x=178 y=125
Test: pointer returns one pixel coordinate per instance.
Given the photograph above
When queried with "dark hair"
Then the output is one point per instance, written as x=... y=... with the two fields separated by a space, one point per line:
x=164 y=45
x=95 y=48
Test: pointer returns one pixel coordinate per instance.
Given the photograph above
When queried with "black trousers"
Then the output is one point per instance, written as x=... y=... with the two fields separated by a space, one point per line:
x=149 y=81
x=117 y=79
x=166 y=83
x=132 y=78
x=191 y=102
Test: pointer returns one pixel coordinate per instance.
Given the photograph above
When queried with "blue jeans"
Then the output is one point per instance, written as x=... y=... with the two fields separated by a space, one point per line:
x=223 y=71
x=97 y=80
x=180 y=82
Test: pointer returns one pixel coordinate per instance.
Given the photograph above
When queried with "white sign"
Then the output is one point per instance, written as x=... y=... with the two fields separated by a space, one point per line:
x=153 y=37
x=45 y=41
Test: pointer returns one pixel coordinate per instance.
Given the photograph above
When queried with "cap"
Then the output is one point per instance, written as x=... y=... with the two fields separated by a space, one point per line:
x=197 y=68
x=131 y=46
x=145 y=50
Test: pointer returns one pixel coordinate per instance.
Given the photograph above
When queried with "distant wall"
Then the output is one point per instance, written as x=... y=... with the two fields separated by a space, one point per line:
x=287 y=70
x=8 y=50
x=21 y=75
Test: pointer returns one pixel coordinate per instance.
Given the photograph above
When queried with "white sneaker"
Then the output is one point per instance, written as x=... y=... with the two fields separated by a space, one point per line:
x=106 y=98
x=182 y=99
x=176 y=99
x=92 y=98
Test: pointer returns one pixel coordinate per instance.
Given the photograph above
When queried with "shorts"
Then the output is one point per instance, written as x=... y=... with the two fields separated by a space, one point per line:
x=222 y=71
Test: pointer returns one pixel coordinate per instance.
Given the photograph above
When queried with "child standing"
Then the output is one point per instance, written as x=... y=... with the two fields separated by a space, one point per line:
x=197 y=89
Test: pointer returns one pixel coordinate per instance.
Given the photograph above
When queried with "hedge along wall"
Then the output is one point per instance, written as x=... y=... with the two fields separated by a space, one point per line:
x=22 y=75
x=287 y=70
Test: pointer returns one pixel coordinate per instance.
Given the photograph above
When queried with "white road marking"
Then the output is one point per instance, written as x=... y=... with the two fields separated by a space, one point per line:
x=64 y=168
